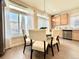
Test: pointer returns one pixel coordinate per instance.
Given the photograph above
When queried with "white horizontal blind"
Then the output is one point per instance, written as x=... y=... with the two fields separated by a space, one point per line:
x=43 y=22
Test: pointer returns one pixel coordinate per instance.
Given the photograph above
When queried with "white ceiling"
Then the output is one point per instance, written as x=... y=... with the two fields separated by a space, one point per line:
x=53 y=6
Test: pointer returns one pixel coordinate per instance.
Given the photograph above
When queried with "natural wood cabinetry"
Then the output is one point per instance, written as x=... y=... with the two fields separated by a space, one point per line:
x=64 y=19
x=71 y=34
x=75 y=34
x=53 y=22
x=57 y=19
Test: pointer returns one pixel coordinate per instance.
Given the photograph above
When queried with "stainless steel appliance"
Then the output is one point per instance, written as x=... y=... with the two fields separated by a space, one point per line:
x=2 y=35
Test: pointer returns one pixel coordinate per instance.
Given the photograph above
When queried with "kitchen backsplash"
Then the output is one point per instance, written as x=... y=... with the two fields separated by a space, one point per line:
x=65 y=27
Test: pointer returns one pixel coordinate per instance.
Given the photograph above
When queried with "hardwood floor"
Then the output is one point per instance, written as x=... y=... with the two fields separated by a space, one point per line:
x=68 y=50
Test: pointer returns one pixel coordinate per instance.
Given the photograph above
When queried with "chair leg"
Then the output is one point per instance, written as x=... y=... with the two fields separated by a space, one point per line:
x=31 y=54
x=44 y=55
x=52 y=50
x=57 y=47
x=58 y=42
x=31 y=50
x=24 y=48
x=47 y=50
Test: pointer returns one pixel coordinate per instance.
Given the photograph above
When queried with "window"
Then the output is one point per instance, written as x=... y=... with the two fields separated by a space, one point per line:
x=16 y=18
x=26 y=22
x=43 y=22
x=13 y=20
x=74 y=21
x=17 y=21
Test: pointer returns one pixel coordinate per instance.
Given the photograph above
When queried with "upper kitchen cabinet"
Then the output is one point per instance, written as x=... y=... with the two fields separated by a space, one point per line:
x=61 y=19
x=64 y=19
x=55 y=20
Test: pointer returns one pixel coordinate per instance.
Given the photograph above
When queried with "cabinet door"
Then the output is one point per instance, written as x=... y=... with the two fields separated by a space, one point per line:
x=75 y=35
x=57 y=20
x=53 y=23
x=64 y=19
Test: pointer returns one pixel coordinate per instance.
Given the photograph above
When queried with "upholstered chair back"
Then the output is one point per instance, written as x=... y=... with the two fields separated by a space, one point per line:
x=37 y=35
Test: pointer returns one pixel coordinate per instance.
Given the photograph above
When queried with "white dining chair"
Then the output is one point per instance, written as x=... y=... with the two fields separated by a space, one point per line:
x=40 y=44
x=53 y=40
x=27 y=40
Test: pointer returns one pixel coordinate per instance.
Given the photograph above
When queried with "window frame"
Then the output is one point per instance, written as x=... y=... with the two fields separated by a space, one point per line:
x=43 y=19
x=19 y=13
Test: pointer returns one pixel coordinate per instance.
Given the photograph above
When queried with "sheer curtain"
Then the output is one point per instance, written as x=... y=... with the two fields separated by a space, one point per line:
x=27 y=23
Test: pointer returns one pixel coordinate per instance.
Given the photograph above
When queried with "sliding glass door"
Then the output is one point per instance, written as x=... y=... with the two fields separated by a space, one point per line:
x=14 y=23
